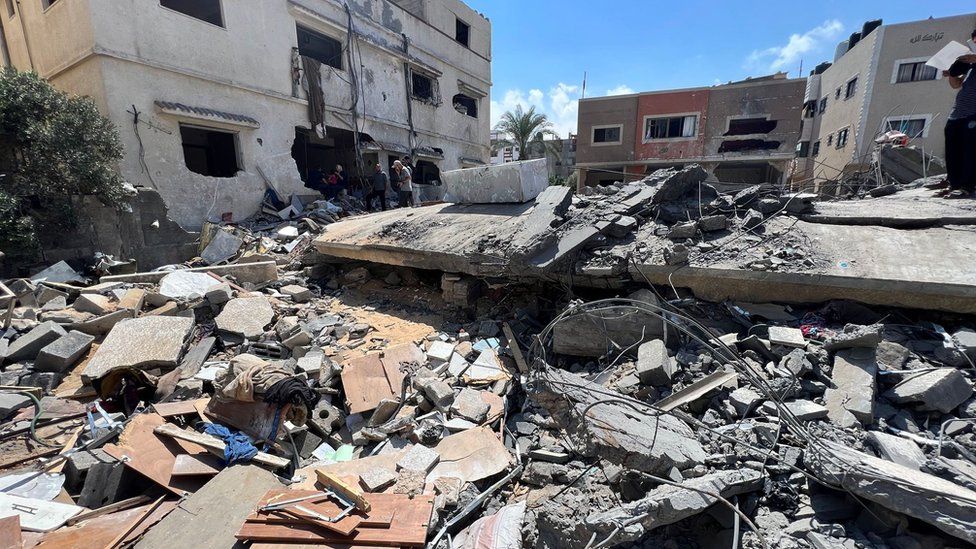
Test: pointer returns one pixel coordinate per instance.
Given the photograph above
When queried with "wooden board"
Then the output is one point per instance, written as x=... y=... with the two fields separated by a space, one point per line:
x=408 y=529
x=153 y=456
x=366 y=382
x=182 y=408
x=256 y=419
x=188 y=465
x=10 y=533
x=324 y=506
x=100 y=531
x=203 y=440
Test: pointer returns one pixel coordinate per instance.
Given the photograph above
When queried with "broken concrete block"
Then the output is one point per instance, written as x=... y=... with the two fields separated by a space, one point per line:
x=246 y=316
x=28 y=345
x=78 y=464
x=851 y=399
x=11 y=402
x=102 y=324
x=440 y=394
x=46 y=381
x=377 y=479
x=219 y=294
x=62 y=354
x=796 y=363
x=942 y=389
x=892 y=356
x=469 y=405
x=105 y=483
x=854 y=335
x=222 y=247
x=440 y=352
x=132 y=300
x=509 y=182
x=550 y=456
x=298 y=294
x=45 y=294
x=744 y=400
x=897 y=449
x=418 y=458
x=95 y=304
x=712 y=223
x=185 y=285
x=622 y=226
x=654 y=367
x=804 y=410
x=789 y=337
x=146 y=342
x=682 y=231
x=56 y=304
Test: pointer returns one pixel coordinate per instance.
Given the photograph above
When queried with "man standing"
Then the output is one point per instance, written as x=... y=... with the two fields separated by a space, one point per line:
x=960 y=130
x=406 y=183
x=380 y=183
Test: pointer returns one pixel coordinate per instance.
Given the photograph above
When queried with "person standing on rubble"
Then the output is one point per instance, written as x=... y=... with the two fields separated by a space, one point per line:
x=406 y=183
x=960 y=129
x=380 y=182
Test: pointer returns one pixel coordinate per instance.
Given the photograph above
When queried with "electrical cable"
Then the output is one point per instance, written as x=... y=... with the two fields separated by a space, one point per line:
x=38 y=410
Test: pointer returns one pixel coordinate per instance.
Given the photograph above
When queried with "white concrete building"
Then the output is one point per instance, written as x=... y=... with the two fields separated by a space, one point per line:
x=879 y=83
x=211 y=97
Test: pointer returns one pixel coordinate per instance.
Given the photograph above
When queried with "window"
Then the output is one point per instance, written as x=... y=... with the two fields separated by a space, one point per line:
x=47 y=3
x=750 y=126
x=423 y=87
x=823 y=105
x=842 y=138
x=815 y=152
x=204 y=10
x=912 y=127
x=851 y=89
x=802 y=149
x=607 y=135
x=462 y=33
x=670 y=127
x=210 y=152
x=915 y=72
x=466 y=105
x=810 y=109
x=837 y=94
x=830 y=140
x=10 y=8
x=320 y=47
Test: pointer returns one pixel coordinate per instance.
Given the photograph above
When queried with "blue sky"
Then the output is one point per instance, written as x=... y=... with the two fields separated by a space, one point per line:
x=542 y=47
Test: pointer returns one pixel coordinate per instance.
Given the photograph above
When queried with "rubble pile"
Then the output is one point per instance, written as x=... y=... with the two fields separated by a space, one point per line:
x=266 y=395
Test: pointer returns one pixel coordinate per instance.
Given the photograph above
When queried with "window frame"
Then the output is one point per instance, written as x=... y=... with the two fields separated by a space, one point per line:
x=850 y=92
x=843 y=136
x=619 y=141
x=458 y=22
x=802 y=149
x=927 y=118
x=299 y=28
x=435 y=90
x=647 y=117
x=911 y=61
x=810 y=109
x=238 y=149
x=815 y=149
x=822 y=107
x=475 y=101
x=220 y=3
x=48 y=4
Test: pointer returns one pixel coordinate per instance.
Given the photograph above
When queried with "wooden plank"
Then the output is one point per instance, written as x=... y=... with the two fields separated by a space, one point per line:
x=152 y=455
x=256 y=419
x=10 y=533
x=98 y=532
x=110 y=508
x=188 y=465
x=182 y=408
x=409 y=529
x=366 y=382
x=513 y=345
x=323 y=505
x=213 y=443
x=136 y=521
x=332 y=482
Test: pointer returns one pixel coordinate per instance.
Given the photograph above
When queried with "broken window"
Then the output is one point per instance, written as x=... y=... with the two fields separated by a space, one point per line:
x=204 y=10
x=606 y=134
x=466 y=105
x=749 y=126
x=823 y=105
x=802 y=149
x=670 y=127
x=912 y=127
x=423 y=87
x=815 y=150
x=810 y=109
x=322 y=48
x=842 y=138
x=462 y=33
x=915 y=72
x=210 y=152
x=851 y=89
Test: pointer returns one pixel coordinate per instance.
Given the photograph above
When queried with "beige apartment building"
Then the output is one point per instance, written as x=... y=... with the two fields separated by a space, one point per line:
x=212 y=97
x=877 y=82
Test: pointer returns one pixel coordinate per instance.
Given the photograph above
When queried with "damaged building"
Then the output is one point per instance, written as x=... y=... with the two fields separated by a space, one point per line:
x=742 y=132
x=878 y=82
x=219 y=101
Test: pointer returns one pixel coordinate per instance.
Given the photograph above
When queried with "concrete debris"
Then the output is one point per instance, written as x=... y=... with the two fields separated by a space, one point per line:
x=654 y=367
x=940 y=390
x=851 y=399
x=245 y=316
x=142 y=343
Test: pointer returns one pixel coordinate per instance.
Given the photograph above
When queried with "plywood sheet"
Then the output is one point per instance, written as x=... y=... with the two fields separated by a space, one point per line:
x=10 y=533
x=185 y=407
x=100 y=531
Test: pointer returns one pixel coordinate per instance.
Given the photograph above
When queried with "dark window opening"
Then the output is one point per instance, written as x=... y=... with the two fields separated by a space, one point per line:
x=323 y=49
x=48 y=3
x=913 y=127
x=10 y=8
x=740 y=145
x=851 y=89
x=426 y=173
x=842 y=138
x=466 y=105
x=462 y=33
x=803 y=149
x=837 y=94
x=810 y=109
x=823 y=105
x=830 y=140
x=210 y=152
x=815 y=152
x=748 y=126
x=204 y=10
x=606 y=135
x=670 y=127
x=422 y=87
x=915 y=72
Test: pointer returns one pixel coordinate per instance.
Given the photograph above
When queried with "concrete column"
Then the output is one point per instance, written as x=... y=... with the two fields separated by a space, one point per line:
x=581 y=174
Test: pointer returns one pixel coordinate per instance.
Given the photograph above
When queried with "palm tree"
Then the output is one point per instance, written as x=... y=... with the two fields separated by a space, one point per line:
x=525 y=129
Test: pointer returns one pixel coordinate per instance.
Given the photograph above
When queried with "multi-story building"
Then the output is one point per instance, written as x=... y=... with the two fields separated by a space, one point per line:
x=741 y=132
x=218 y=100
x=560 y=153
x=877 y=82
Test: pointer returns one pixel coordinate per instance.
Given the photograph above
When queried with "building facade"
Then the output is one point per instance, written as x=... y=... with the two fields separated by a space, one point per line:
x=877 y=82
x=741 y=132
x=218 y=101
x=559 y=153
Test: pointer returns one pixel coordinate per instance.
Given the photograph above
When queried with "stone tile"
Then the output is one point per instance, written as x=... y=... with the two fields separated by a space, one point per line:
x=145 y=342
x=246 y=316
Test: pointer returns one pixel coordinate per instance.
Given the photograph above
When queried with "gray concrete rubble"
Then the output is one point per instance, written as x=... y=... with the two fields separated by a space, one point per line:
x=143 y=343
x=510 y=182
x=851 y=399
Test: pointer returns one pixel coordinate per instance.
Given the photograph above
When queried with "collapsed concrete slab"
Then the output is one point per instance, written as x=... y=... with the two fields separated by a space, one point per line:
x=500 y=183
x=851 y=399
x=147 y=342
x=942 y=390
x=615 y=431
x=946 y=505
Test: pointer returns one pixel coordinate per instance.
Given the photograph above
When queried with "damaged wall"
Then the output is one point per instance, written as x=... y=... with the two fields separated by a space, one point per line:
x=778 y=100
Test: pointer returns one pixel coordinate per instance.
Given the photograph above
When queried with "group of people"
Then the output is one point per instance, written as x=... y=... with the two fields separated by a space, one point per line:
x=960 y=129
x=330 y=185
x=399 y=180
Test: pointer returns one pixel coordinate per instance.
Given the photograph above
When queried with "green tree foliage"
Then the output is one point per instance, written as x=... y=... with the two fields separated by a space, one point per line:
x=52 y=146
x=525 y=128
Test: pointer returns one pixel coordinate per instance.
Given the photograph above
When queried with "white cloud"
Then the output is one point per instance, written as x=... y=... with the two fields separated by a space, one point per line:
x=560 y=104
x=622 y=89
x=788 y=55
